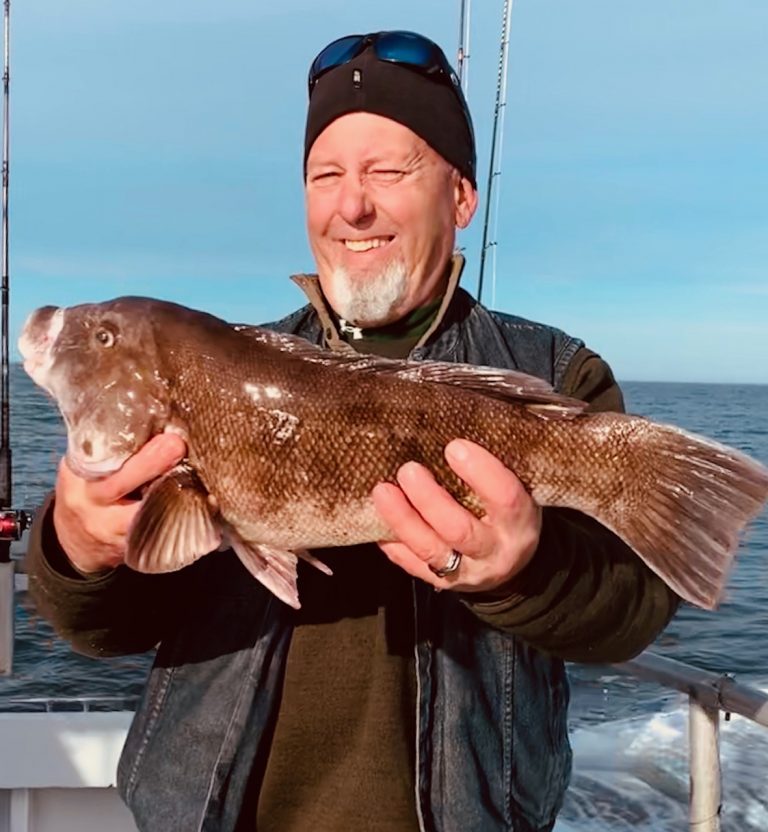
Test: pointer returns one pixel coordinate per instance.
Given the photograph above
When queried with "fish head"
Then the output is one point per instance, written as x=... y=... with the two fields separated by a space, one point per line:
x=100 y=363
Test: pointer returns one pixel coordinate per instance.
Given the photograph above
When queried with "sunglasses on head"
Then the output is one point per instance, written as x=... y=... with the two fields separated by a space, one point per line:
x=404 y=48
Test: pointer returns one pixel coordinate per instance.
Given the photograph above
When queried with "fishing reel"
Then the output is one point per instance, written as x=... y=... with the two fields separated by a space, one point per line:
x=13 y=523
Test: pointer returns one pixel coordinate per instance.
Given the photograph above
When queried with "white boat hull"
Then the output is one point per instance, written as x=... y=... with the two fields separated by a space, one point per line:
x=58 y=771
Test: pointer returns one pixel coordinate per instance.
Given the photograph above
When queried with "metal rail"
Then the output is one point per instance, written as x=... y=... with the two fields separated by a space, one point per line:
x=73 y=704
x=708 y=695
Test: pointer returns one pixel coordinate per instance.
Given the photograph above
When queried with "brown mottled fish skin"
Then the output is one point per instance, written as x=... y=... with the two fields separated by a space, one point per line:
x=286 y=441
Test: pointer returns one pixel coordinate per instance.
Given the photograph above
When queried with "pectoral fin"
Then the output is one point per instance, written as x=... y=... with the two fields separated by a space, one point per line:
x=275 y=568
x=177 y=523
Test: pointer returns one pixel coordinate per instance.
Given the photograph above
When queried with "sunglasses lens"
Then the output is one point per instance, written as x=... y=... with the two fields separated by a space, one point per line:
x=406 y=48
x=335 y=54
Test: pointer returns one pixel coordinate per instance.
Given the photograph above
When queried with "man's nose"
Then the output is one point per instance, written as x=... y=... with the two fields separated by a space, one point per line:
x=355 y=204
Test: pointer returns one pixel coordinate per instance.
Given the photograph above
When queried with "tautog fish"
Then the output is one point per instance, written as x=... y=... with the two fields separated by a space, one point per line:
x=286 y=442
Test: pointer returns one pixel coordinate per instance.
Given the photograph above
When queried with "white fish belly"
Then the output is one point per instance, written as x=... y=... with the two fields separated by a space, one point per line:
x=304 y=525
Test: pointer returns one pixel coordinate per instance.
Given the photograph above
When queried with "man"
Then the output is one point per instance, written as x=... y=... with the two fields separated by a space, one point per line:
x=422 y=687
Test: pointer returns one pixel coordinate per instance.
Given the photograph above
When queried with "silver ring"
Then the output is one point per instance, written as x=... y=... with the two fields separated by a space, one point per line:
x=452 y=564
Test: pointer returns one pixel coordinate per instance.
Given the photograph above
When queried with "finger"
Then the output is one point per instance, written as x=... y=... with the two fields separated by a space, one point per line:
x=410 y=528
x=402 y=556
x=456 y=527
x=159 y=455
x=102 y=538
x=511 y=511
x=415 y=540
x=498 y=488
x=74 y=503
x=93 y=536
x=407 y=525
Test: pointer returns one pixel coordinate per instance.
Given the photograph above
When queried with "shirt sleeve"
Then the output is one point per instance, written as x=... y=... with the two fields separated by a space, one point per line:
x=585 y=596
x=115 y=612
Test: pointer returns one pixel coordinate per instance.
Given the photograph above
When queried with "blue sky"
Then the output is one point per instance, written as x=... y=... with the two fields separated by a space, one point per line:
x=156 y=149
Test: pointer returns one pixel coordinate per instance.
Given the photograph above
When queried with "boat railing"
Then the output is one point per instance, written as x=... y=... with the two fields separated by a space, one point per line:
x=709 y=694
x=71 y=704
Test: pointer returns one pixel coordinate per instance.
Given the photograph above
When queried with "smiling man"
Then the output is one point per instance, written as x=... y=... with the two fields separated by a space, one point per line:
x=382 y=209
x=422 y=687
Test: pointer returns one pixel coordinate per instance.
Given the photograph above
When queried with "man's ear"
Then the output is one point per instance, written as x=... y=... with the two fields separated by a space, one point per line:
x=465 y=197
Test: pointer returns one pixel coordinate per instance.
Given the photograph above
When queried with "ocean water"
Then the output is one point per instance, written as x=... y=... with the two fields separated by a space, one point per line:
x=630 y=737
x=45 y=666
x=630 y=769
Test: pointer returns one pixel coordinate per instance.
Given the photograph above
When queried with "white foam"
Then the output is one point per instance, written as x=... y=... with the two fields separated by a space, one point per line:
x=633 y=774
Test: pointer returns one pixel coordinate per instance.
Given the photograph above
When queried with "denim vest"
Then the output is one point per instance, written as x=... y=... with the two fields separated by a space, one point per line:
x=492 y=747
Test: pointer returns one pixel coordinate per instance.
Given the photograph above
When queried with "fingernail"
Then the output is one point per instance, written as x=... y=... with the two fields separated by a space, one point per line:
x=408 y=470
x=456 y=450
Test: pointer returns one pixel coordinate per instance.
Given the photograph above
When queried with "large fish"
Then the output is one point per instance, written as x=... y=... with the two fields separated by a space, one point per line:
x=286 y=442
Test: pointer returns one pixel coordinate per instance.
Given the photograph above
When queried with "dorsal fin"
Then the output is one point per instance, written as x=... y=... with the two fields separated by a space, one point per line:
x=507 y=385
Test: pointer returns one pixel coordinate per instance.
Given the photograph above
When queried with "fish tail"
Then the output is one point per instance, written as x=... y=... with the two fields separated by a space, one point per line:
x=683 y=505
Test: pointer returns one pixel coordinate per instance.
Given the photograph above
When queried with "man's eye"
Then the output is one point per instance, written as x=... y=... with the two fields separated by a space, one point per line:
x=325 y=176
x=387 y=174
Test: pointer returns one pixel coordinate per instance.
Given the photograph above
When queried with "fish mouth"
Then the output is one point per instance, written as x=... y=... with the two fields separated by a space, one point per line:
x=38 y=335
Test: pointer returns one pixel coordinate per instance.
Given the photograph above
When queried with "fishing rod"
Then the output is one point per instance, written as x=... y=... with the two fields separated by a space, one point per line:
x=7 y=616
x=462 y=61
x=5 y=445
x=497 y=138
x=12 y=523
x=465 y=15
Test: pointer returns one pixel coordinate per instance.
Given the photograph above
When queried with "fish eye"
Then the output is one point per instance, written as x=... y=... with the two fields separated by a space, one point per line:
x=105 y=337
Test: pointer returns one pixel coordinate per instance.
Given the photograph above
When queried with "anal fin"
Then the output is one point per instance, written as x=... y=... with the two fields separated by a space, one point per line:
x=275 y=568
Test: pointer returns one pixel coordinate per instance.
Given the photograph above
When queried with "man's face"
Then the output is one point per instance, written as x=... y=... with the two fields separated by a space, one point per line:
x=382 y=212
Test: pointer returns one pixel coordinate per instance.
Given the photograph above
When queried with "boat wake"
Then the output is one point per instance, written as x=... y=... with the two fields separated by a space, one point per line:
x=632 y=774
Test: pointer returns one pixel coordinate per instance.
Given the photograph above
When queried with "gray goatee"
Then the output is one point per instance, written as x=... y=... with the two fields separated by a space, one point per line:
x=370 y=300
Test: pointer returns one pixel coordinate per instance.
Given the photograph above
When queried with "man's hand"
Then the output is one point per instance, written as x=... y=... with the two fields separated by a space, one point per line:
x=428 y=524
x=92 y=518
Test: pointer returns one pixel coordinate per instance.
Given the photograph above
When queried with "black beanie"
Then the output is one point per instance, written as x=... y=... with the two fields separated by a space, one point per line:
x=428 y=107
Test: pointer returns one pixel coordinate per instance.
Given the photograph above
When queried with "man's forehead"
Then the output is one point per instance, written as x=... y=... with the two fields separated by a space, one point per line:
x=363 y=134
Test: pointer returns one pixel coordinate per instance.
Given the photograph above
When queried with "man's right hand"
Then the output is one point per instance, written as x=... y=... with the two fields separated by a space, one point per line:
x=92 y=517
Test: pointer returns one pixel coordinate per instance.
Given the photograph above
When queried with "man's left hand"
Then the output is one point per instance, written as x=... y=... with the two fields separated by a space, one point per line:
x=428 y=525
